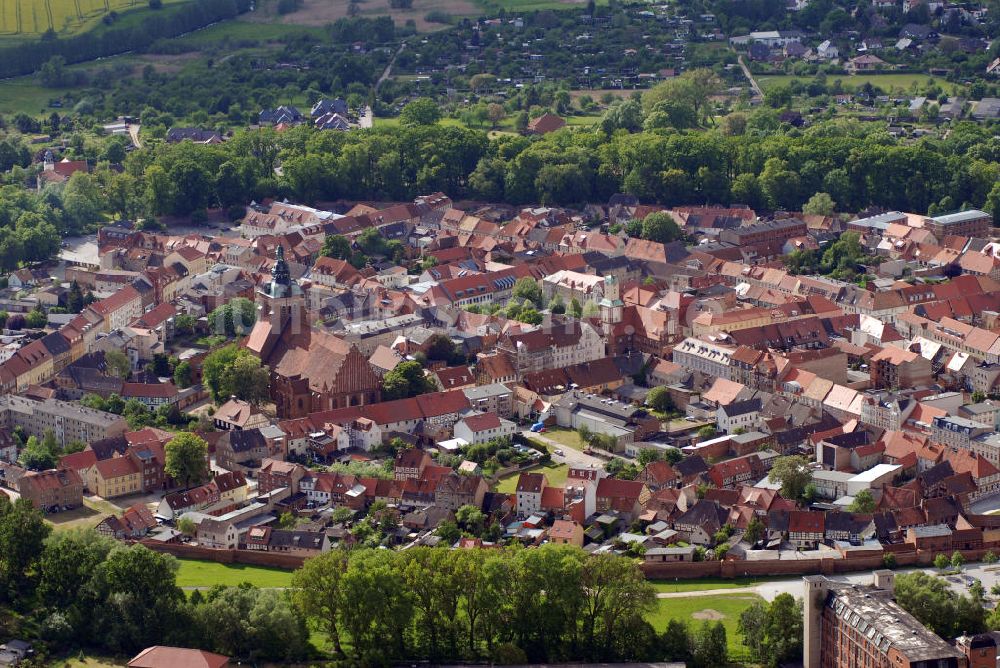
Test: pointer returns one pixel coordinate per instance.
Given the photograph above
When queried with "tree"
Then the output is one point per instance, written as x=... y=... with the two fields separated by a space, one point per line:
x=820 y=204
x=941 y=561
x=36 y=318
x=22 y=535
x=118 y=363
x=528 y=289
x=676 y=642
x=706 y=432
x=235 y=318
x=134 y=598
x=406 y=380
x=74 y=298
x=253 y=624
x=496 y=114
x=659 y=399
x=755 y=530
x=422 y=111
x=793 y=473
x=660 y=226
x=187 y=458
x=470 y=519
x=37 y=456
x=183 y=375
x=232 y=371
x=184 y=324
x=957 y=560
x=318 y=593
x=337 y=247
x=187 y=526
x=936 y=606
x=863 y=502
x=710 y=648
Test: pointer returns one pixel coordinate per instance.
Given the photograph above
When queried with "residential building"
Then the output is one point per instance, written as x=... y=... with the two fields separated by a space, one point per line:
x=54 y=489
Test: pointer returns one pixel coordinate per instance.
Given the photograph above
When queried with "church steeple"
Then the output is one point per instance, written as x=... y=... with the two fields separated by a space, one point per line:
x=281 y=299
x=281 y=277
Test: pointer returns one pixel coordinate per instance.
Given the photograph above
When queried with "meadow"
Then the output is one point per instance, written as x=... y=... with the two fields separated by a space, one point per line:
x=196 y=573
x=900 y=83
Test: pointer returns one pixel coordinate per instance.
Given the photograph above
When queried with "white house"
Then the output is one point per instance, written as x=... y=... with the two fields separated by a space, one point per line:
x=483 y=428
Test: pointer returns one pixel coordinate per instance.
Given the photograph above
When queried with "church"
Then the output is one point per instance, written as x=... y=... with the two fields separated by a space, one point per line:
x=310 y=370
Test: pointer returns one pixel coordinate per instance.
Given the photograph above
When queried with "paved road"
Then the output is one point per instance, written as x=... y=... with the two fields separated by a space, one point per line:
x=989 y=575
x=569 y=455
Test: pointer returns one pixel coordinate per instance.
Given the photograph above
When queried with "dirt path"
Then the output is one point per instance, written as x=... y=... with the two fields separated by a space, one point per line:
x=753 y=82
x=388 y=68
x=133 y=132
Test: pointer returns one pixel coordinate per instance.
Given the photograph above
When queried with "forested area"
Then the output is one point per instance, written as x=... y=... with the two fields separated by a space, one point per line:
x=749 y=158
x=762 y=164
x=27 y=57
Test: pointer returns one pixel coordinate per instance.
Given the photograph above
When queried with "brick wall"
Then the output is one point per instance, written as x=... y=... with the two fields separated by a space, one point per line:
x=249 y=557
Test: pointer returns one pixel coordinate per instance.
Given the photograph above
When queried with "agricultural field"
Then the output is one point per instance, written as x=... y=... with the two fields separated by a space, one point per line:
x=196 y=573
x=899 y=83
x=28 y=19
x=697 y=609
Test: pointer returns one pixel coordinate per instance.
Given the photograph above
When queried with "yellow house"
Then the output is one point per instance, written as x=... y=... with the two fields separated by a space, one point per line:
x=566 y=532
x=232 y=486
x=32 y=365
x=118 y=476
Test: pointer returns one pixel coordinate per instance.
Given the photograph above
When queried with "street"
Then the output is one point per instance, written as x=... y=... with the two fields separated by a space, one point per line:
x=988 y=574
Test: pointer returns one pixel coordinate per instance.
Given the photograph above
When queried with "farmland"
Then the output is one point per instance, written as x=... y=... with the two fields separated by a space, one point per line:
x=29 y=19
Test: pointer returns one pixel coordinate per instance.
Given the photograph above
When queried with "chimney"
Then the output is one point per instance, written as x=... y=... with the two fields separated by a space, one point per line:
x=884 y=579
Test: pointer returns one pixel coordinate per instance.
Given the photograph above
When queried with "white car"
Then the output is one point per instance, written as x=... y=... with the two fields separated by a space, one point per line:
x=558 y=451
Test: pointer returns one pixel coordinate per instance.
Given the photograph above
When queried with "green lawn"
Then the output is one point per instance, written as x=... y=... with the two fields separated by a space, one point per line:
x=195 y=573
x=705 y=584
x=693 y=611
x=568 y=437
x=887 y=82
x=554 y=473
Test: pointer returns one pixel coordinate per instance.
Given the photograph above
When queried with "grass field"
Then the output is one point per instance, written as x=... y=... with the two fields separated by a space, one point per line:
x=568 y=437
x=554 y=473
x=27 y=19
x=693 y=611
x=887 y=82
x=195 y=573
x=705 y=584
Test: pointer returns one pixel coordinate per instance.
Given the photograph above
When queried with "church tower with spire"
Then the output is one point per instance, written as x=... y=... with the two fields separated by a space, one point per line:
x=281 y=299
